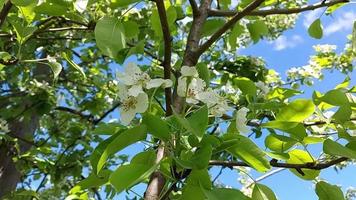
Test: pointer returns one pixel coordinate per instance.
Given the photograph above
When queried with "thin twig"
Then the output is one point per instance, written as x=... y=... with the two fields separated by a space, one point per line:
x=223 y=13
x=228 y=25
x=315 y=166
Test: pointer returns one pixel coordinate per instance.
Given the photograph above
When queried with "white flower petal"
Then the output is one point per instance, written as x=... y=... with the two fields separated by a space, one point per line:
x=142 y=103
x=241 y=120
x=135 y=90
x=189 y=71
x=127 y=116
x=123 y=91
x=182 y=86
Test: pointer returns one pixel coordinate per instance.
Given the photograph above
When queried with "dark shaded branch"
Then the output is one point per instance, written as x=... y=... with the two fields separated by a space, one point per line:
x=315 y=166
x=95 y=122
x=75 y=112
x=167 y=52
x=194 y=6
x=4 y=12
x=248 y=9
x=190 y=57
x=222 y=13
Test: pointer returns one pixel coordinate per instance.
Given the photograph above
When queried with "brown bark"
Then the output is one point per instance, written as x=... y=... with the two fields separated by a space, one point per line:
x=23 y=126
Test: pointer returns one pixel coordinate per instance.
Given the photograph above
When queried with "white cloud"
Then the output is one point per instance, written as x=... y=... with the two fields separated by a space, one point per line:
x=311 y=16
x=283 y=42
x=341 y=23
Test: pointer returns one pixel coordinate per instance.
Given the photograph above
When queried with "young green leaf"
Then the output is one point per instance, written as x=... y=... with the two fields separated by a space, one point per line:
x=316 y=30
x=326 y=191
x=262 y=192
x=225 y=194
x=298 y=156
x=140 y=168
x=123 y=140
x=110 y=36
x=335 y=149
x=74 y=65
x=296 y=111
x=156 y=126
x=244 y=149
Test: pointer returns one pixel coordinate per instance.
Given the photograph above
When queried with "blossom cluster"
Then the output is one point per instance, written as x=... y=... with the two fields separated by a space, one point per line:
x=325 y=58
x=133 y=98
x=4 y=128
x=195 y=90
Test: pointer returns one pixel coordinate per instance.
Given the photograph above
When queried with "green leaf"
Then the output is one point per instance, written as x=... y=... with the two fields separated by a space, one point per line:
x=122 y=3
x=92 y=181
x=234 y=34
x=335 y=97
x=99 y=150
x=298 y=156
x=56 y=69
x=245 y=85
x=203 y=72
x=296 y=129
x=156 y=126
x=257 y=29
x=131 y=29
x=262 y=192
x=24 y=2
x=211 y=26
x=23 y=33
x=74 y=65
x=110 y=36
x=316 y=30
x=140 y=168
x=199 y=160
x=279 y=143
x=296 y=111
x=199 y=121
x=196 y=183
x=196 y=123
x=244 y=149
x=52 y=8
x=326 y=191
x=224 y=194
x=123 y=140
x=107 y=128
x=335 y=149
x=26 y=193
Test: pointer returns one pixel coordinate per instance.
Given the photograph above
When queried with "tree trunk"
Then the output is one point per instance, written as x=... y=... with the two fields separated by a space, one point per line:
x=21 y=127
x=9 y=175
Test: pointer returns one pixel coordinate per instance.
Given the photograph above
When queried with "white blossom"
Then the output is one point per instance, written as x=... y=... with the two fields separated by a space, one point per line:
x=4 y=128
x=263 y=87
x=138 y=80
x=217 y=105
x=196 y=86
x=131 y=105
x=189 y=71
x=326 y=48
x=241 y=120
x=158 y=82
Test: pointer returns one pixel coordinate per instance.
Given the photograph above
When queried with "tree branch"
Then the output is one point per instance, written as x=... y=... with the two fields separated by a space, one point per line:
x=97 y=121
x=194 y=6
x=315 y=166
x=167 y=52
x=190 y=57
x=223 y=13
x=4 y=11
x=228 y=25
x=157 y=180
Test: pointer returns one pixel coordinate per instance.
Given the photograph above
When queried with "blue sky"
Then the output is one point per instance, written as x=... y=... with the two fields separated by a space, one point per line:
x=292 y=49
